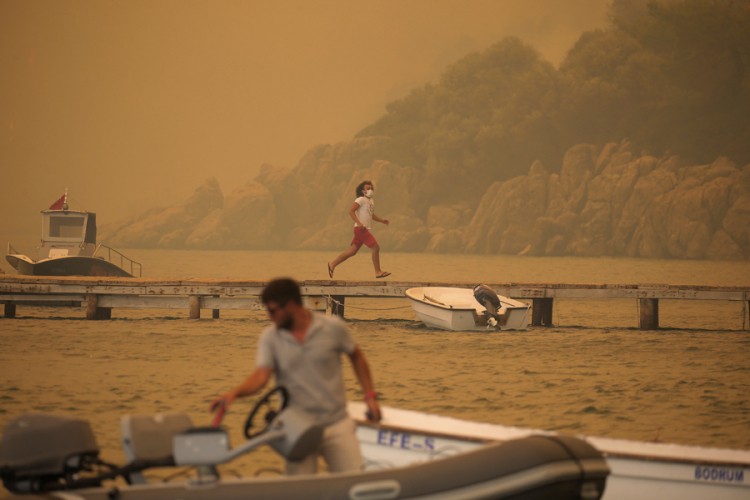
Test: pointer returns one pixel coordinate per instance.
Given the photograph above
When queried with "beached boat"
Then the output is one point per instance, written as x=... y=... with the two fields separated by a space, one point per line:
x=466 y=309
x=57 y=457
x=69 y=248
x=642 y=470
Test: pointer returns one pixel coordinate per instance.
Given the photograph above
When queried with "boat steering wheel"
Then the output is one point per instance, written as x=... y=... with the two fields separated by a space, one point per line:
x=272 y=402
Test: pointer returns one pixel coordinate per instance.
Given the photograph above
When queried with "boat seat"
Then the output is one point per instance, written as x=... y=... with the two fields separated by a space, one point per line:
x=148 y=438
x=436 y=301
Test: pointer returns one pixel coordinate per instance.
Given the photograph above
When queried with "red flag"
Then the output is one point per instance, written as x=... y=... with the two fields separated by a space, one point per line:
x=58 y=205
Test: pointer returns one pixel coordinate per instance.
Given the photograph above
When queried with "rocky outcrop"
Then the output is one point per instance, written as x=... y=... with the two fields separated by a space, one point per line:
x=247 y=220
x=602 y=201
x=612 y=203
x=167 y=227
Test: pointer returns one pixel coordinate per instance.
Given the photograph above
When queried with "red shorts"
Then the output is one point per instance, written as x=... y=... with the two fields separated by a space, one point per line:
x=362 y=236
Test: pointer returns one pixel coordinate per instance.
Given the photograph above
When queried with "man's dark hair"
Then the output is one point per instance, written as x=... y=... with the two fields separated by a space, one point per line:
x=358 y=192
x=281 y=291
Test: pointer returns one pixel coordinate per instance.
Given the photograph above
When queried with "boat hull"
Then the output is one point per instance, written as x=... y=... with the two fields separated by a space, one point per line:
x=647 y=471
x=456 y=309
x=66 y=266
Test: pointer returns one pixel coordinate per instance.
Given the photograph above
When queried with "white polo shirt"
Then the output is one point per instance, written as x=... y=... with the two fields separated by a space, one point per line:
x=310 y=370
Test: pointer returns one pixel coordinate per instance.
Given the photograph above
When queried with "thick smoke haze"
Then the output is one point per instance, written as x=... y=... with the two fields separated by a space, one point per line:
x=132 y=105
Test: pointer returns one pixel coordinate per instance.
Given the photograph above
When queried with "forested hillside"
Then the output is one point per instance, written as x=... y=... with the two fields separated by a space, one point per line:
x=671 y=78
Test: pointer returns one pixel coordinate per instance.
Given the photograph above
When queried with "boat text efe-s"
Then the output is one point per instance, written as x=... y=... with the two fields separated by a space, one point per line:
x=57 y=457
x=69 y=248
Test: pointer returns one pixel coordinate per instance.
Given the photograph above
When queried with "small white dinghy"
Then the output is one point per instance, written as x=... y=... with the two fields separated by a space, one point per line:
x=466 y=309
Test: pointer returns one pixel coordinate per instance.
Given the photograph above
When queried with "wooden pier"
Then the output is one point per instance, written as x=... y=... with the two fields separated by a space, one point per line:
x=99 y=295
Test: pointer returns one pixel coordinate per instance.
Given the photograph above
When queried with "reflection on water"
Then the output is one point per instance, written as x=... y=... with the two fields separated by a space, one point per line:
x=593 y=373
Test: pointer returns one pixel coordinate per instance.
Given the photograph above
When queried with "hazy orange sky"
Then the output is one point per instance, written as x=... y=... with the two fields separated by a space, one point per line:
x=134 y=104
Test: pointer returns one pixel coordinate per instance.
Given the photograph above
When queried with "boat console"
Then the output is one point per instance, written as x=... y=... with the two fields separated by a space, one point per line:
x=40 y=453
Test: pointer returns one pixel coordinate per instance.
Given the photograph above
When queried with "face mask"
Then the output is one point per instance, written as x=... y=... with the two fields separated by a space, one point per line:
x=369 y=193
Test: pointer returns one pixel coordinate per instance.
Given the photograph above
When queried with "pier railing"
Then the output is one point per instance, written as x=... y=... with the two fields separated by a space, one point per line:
x=119 y=259
x=101 y=294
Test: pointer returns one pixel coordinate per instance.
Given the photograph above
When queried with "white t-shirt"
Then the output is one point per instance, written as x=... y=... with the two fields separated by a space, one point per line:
x=365 y=211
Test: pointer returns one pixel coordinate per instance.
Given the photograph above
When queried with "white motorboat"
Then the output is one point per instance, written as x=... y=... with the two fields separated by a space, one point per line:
x=467 y=309
x=69 y=248
x=46 y=456
x=642 y=470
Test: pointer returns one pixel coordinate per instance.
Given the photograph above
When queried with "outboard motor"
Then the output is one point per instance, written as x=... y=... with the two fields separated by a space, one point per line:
x=491 y=302
x=46 y=452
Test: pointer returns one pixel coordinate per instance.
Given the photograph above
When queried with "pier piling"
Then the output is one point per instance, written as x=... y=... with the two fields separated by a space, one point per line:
x=10 y=310
x=93 y=311
x=337 y=305
x=541 y=311
x=649 y=314
x=215 y=313
x=194 y=307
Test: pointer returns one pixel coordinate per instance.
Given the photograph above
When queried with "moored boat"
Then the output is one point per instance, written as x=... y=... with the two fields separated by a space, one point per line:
x=467 y=309
x=57 y=457
x=69 y=248
x=642 y=470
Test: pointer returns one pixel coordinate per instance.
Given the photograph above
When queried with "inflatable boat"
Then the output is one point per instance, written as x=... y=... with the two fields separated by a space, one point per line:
x=57 y=457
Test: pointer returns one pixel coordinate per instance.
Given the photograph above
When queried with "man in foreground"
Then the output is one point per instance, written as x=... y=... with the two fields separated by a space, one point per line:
x=302 y=349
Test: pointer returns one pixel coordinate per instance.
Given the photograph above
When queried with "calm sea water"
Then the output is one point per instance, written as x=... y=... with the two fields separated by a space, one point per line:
x=592 y=373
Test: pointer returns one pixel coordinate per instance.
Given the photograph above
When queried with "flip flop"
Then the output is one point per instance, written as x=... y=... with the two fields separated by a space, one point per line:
x=330 y=271
x=383 y=274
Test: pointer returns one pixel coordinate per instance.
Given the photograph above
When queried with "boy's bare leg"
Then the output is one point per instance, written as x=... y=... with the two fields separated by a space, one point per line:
x=376 y=259
x=349 y=252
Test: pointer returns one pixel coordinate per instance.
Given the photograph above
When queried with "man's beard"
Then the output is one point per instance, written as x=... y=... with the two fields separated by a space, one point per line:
x=287 y=323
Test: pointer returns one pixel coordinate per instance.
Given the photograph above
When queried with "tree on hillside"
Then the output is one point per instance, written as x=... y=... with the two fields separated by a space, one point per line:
x=705 y=50
x=613 y=90
x=493 y=126
x=671 y=75
x=483 y=122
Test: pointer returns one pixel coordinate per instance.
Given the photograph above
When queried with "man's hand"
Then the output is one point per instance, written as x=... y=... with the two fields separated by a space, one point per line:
x=224 y=401
x=373 y=413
